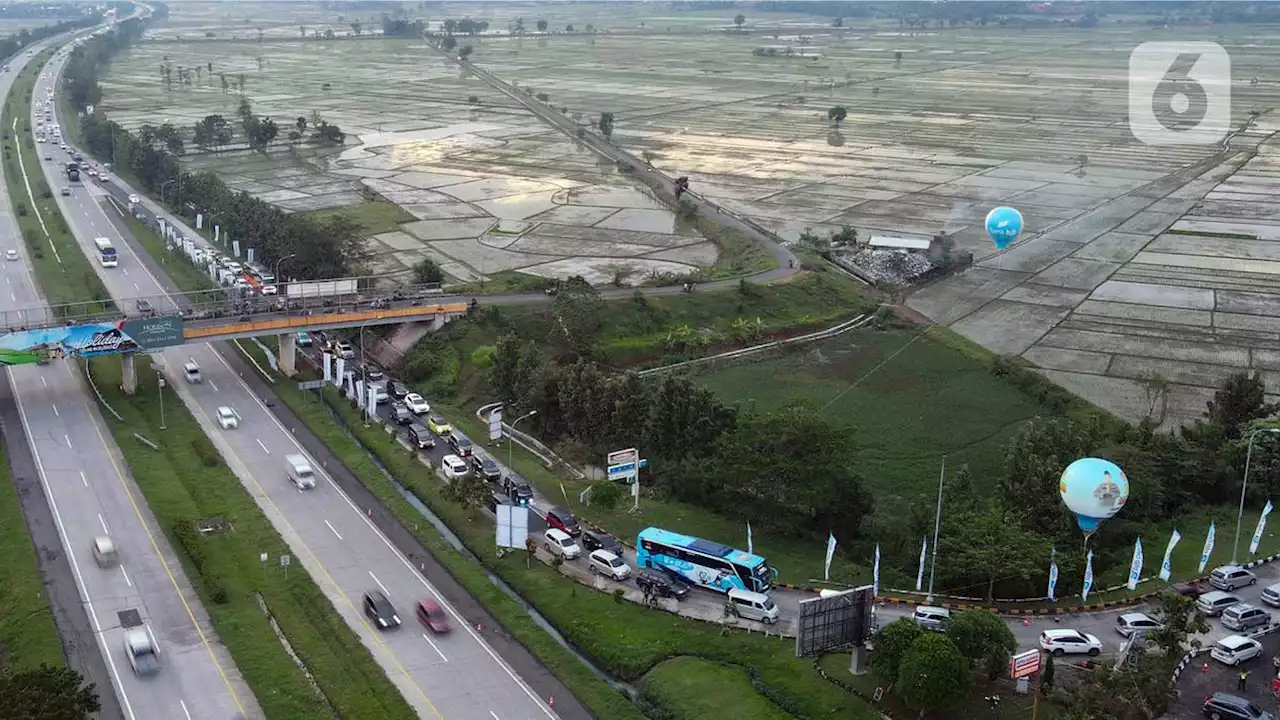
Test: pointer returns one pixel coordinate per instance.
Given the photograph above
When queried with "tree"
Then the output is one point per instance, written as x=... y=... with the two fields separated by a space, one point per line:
x=427 y=271
x=739 y=19
x=1034 y=461
x=897 y=57
x=568 y=28
x=933 y=674
x=450 y=42
x=465 y=51
x=606 y=124
x=837 y=114
x=577 y=316
x=1178 y=620
x=450 y=26
x=988 y=546
x=892 y=643
x=301 y=124
x=983 y=637
x=1241 y=398
x=56 y=693
x=355 y=28
x=542 y=26
x=470 y=490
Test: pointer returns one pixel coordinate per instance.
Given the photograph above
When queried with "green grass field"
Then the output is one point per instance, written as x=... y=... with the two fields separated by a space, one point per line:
x=28 y=637
x=689 y=687
x=373 y=218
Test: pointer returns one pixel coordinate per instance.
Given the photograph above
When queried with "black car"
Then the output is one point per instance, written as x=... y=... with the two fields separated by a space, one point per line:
x=401 y=414
x=493 y=501
x=380 y=611
x=518 y=490
x=486 y=468
x=420 y=437
x=144 y=306
x=591 y=540
x=397 y=389
x=656 y=583
x=460 y=444
x=1221 y=706
x=373 y=373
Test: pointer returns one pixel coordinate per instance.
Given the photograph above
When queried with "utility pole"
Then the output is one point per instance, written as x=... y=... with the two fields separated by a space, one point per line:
x=937 y=522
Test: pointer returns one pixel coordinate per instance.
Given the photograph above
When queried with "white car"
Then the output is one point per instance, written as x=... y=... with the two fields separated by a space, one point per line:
x=558 y=542
x=1235 y=649
x=135 y=199
x=1130 y=623
x=603 y=562
x=10 y=254
x=417 y=404
x=1069 y=642
x=227 y=418
x=140 y=646
x=453 y=467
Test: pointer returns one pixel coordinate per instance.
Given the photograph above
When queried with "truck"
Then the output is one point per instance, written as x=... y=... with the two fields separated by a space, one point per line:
x=73 y=172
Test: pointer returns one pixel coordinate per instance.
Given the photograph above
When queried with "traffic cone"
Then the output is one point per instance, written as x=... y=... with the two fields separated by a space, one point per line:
x=1025 y=623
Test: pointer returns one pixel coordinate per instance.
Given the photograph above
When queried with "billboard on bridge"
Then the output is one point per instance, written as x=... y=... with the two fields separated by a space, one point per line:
x=91 y=340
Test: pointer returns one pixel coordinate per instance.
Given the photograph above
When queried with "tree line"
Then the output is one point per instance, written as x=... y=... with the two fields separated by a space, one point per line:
x=13 y=44
x=320 y=249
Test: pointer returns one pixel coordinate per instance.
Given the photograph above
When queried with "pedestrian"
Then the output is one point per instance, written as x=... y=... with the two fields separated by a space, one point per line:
x=1244 y=675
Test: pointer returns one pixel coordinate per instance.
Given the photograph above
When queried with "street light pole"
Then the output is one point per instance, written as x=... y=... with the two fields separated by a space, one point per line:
x=286 y=257
x=1248 y=458
x=161 y=380
x=937 y=522
x=511 y=437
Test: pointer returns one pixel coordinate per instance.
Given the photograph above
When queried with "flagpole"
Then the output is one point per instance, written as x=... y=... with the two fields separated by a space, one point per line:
x=937 y=522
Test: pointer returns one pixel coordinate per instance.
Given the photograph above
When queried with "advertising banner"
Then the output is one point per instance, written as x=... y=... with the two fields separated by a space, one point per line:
x=109 y=338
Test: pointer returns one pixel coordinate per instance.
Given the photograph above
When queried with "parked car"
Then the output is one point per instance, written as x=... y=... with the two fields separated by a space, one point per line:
x=460 y=443
x=558 y=542
x=228 y=418
x=439 y=425
x=1129 y=624
x=420 y=437
x=561 y=519
x=380 y=395
x=600 y=541
x=380 y=610
x=433 y=617
x=1214 y=602
x=603 y=562
x=493 y=501
x=398 y=389
x=1235 y=649
x=417 y=404
x=1221 y=706
x=400 y=414
x=453 y=467
x=144 y=306
x=1073 y=642
x=1244 y=616
x=931 y=617
x=1230 y=577
x=485 y=468
x=656 y=583
x=140 y=646
x=1271 y=595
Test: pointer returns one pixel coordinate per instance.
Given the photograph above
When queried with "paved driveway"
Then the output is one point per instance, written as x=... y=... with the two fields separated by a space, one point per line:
x=1205 y=676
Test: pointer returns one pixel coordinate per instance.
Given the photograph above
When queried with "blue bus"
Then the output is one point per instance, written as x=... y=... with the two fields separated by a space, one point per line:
x=706 y=563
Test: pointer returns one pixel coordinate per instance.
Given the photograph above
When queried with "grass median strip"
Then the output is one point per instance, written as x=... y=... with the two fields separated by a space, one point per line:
x=624 y=638
x=27 y=633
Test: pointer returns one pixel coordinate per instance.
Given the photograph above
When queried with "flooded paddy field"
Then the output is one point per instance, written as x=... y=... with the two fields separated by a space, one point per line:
x=485 y=187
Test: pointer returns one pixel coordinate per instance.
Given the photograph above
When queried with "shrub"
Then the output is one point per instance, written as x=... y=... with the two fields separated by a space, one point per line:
x=205 y=450
x=482 y=357
x=22 y=209
x=606 y=494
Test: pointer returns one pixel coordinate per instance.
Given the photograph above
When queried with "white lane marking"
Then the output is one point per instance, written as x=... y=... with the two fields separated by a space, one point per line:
x=125 y=270
x=212 y=385
x=68 y=437
x=495 y=715
x=384 y=587
x=43 y=380
x=84 y=479
x=126 y=576
x=433 y=647
x=135 y=287
x=184 y=709
x=264 y=447
x=528 y=691
x=335 y=532
x=75 y=565
x=55 y=410
x=103 y=523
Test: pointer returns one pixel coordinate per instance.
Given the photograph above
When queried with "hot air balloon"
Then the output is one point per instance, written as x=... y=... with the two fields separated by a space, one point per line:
x=1095 y=490
x=1004 y=224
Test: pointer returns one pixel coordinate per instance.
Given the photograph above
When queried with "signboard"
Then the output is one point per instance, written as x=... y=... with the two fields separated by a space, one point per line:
x=91 y=340
x=624 y=465
x=321 y=288
x=155 y=333
x=311 y=384
x=1024 y=664
x=495 y=424
x=513 y=526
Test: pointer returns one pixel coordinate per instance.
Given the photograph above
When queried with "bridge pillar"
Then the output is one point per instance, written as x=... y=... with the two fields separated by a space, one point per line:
x=128 y=374
x=289 y=354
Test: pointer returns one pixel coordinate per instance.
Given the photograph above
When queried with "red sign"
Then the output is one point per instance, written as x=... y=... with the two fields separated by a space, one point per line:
x=1024 y=664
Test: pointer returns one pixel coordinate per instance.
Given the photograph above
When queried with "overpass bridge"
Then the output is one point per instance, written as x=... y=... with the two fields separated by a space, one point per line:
x=42 y=334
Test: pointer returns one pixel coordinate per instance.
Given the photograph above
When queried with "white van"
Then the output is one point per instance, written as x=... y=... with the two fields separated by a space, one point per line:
x=930 y=617
x=300 y=473
x=191 y=372
x=453 y=467
x=754 y=606
x=104 y=552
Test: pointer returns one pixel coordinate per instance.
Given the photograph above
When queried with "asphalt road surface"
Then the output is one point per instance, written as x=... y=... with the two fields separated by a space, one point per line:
x=90 y=494
x=457 y=675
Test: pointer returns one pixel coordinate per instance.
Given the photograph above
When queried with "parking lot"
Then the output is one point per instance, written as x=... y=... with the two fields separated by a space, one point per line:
x=1205 y=676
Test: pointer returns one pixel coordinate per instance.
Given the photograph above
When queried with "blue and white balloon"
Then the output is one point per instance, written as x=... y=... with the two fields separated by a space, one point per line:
x=1095 y=490
x=1004 y=225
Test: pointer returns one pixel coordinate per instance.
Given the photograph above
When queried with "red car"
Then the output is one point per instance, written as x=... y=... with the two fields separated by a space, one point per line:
x=432 y=617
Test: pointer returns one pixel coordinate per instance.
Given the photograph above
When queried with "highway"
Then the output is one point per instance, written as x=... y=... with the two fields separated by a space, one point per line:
x=90 y=493
x=454 y=676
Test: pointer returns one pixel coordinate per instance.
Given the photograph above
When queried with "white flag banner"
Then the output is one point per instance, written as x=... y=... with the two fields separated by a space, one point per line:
x=875 y=572
x=340 y=374
x=371 y=407
x=1135 y=566
x=1262 y=524
x=327 y=360
x=1088 y=578
x=495 y=425
x=831 y=551
x=199 y=221
x=924 y=546
x=750 y=546
x=1208 y=548
x=1166 y=567
x=360 y=393
x=1053 y=572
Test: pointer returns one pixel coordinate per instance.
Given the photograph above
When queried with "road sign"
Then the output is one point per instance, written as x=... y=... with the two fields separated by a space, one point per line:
x=310 y=384
x=624 y=465
x=1024 y=664
x=284 y=560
